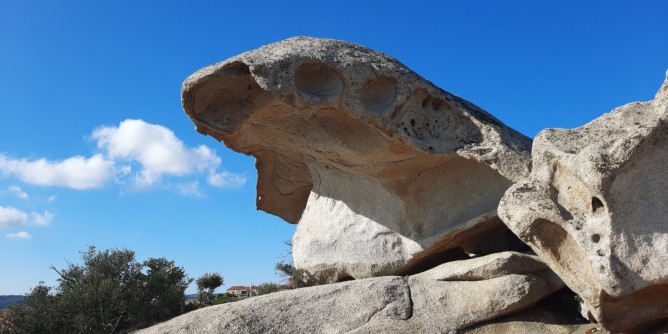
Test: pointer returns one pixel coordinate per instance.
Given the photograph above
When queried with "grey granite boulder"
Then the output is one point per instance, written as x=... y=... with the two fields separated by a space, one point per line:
x=444 y=299
x=595 y=208
x=458 y=294
x=379 y=167
x=335 y=308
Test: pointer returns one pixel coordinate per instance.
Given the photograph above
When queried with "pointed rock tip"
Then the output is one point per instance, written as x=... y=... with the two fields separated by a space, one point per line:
x=662 y=94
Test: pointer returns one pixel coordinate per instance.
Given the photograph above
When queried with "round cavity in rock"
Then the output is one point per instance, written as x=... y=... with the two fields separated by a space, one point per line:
x=595 y=238
x=436 y=104
x=596 y=205
x=425 y=102
x=226 y=111
x=378 y=95
x=319 y=81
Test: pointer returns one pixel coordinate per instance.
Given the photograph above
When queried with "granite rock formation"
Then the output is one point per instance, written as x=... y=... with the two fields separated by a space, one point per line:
x=458 y=294
x=386 y=174
x=445 y=299
x=381 y=169
x=334 y=308
x=595 y=208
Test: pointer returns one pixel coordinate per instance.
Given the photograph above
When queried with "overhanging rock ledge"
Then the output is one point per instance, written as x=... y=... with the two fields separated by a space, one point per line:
x=380 y=168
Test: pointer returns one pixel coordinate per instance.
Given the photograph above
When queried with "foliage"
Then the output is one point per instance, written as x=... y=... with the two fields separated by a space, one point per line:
x=294 y=278
x=164 y=286
x=266 y=288
x=224 y=298
x=206 y=285
x=109 y=293
x=38 y=314
x=298 y=278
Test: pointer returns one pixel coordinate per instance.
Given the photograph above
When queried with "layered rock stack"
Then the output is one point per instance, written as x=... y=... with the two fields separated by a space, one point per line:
x=387 y=175
x=595 y=209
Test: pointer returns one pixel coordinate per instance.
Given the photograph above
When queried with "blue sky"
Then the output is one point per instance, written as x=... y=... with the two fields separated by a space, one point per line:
x=96 y=149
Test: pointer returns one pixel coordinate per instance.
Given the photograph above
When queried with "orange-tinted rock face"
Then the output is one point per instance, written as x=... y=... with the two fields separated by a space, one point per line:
x=378 y=166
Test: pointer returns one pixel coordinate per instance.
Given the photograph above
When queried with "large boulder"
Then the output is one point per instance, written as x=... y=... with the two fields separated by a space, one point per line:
x=463 y=293
x=335 y=308
x=595 y=208
x=445 y=299
x=380 y=168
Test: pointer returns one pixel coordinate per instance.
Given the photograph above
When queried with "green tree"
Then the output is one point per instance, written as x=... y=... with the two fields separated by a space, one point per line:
x=103 y=293
x=295 y=278
x=163 y=290
x=38 y=313
x=225 y=298
x=268 y=287
x=206 y=285
x=110 y=292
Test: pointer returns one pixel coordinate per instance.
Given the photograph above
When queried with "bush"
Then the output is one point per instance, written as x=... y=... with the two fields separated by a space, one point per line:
x=224 y=298
x=109 y=293
x=206 y=286
x=268 y=287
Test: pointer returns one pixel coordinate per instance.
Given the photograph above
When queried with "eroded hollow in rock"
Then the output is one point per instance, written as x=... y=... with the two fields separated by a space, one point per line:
x=596 y=205
x=376 y=164
x=318 y=81
x=379 y=94
x=561 y=248
x=603 y=190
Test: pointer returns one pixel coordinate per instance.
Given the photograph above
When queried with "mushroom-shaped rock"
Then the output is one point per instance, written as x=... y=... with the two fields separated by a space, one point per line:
x=596 y=209
x=379 y=167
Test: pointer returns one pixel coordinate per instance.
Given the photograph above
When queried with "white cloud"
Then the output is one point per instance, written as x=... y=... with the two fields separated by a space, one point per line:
x=189 y=189
x=13 y=218
x=155 y=148
x=18 y=192
x=226 y=180
x=42 y=219
x=19 y=235
x=135 y=153
x=76 y=172
x=51 y=199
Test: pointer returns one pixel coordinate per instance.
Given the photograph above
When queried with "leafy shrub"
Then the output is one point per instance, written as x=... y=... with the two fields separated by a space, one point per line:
x=224 y=298
x=109 y=293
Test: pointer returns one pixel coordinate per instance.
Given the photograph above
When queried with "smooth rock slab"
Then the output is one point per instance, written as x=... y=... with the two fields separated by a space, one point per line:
x=595 y=208
x=503 y=284
x=491 y=266
x=380 y=167
x=459 y=294
x=336 y=308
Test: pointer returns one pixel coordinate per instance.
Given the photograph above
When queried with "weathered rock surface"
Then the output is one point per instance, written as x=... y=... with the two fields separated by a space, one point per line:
x=548 y=321
x=595 y=208
x=335 y=308
x=428 y=303
x=490 y=266
x=459 y=294
x=380 y=168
